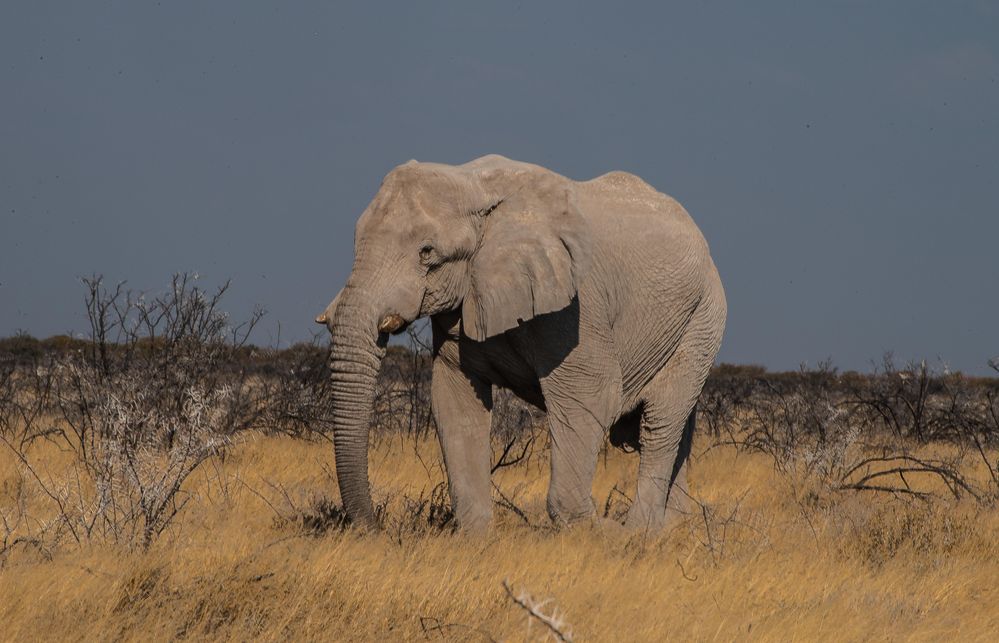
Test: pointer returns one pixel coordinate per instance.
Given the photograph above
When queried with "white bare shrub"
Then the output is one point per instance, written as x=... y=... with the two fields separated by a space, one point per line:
x=134 y=470
x=161 y=386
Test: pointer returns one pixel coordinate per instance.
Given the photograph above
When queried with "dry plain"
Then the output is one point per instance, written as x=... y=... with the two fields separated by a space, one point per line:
x=763 y=555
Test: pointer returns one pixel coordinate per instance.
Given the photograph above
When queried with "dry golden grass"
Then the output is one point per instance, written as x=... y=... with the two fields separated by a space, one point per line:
x=770 y=557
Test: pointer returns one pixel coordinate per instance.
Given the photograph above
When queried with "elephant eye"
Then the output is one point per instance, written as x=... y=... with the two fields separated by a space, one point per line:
x=426 y=253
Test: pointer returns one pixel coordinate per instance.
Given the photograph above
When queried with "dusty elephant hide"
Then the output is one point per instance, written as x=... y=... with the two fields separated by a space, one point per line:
x=596 y=300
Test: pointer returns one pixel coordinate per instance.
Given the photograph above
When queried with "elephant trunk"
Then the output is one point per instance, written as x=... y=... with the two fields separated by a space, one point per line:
x=355 y=356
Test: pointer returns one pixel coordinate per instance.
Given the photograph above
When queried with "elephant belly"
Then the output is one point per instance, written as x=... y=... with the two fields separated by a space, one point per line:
x=497 y=361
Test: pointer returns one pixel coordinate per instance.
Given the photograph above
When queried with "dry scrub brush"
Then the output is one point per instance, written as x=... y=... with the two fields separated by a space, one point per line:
x=862 y=432
x=148 y=397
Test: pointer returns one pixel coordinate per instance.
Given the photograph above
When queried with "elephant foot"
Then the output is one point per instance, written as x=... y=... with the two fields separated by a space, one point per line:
x=474 y=522
x=563 y=521
x=639 y=521
x=652 y=521
x=564 y=514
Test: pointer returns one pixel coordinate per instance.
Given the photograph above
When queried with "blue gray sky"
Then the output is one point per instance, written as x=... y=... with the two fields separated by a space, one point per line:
x=842 y=158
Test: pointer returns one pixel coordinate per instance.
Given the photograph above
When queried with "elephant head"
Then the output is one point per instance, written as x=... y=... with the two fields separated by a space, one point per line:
x=500 y=241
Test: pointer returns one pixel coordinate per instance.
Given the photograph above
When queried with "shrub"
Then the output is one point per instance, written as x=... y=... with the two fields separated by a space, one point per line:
x=147 y=398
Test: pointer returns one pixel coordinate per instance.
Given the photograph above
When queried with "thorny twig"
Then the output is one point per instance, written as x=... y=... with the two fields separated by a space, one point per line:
x=503 y=462
x=507 y=503
x=431 y=624
x=909 y=464
x=554 y=622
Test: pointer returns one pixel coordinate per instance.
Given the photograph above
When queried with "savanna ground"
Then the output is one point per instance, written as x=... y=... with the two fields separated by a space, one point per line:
x=162 y=479
x=764 y=555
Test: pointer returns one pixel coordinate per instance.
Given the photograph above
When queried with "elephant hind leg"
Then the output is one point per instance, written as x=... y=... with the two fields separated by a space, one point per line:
x=662 y=467
x=667 y=429
x=678 y=499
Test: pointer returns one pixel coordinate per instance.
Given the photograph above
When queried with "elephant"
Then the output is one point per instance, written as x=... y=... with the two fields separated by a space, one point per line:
x=596 y=301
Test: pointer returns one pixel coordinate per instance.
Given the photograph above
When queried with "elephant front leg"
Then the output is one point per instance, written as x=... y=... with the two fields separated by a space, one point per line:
x=581 y=384
x=576 y=437
x=462 y=408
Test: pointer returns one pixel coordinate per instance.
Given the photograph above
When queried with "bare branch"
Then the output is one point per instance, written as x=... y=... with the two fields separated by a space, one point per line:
x=555 y=623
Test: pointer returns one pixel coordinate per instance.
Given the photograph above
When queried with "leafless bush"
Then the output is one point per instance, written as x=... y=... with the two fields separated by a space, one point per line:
x=898 y=400
x=402 y=395
x=512 y=417
x=518 y=431
x=295 y=384
x=860 y=433
x=725 y=394
x=8 y=398
x=26 y=388
x=151 y=396
x=779 y=416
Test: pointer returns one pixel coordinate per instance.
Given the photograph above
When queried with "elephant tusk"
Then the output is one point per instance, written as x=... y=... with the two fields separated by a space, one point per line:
x=391 y=323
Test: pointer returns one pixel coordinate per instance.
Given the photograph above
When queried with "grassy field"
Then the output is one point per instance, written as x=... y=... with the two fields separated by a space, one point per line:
x=764 y=556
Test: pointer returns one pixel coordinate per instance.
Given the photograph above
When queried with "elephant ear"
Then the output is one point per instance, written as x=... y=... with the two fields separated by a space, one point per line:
x=533 y=255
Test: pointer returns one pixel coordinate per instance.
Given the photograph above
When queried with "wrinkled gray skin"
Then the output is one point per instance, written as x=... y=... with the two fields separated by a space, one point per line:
x=597 y=301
